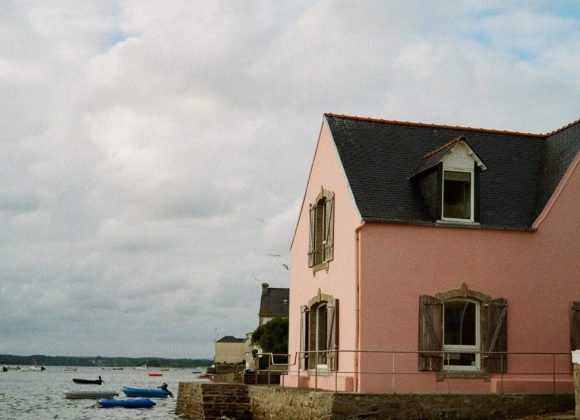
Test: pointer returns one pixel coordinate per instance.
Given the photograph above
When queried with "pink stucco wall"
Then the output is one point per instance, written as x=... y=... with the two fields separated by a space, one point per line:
x=338 y=280
x=537 y=272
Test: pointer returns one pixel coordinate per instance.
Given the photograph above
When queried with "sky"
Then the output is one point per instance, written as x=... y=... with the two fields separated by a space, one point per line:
x=154 y=155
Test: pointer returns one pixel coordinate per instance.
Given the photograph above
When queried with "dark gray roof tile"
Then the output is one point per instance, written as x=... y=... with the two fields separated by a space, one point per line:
x=380 y=157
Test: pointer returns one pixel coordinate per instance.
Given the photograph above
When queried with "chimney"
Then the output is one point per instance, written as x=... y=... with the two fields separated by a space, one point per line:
x=265 y=288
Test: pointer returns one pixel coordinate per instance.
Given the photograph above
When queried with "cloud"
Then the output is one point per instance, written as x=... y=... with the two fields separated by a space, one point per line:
x=152 y=156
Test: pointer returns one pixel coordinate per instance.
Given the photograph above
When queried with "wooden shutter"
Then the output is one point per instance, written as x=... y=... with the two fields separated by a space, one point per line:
x=332 y=334
x=329 y=229
x=575 y=326
x=311 y=244
x=303 y=336
x=430 y=333
x=497 y=335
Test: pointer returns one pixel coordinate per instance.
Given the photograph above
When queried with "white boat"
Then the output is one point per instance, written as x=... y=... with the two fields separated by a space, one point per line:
x=33 y=368
x=90 y=395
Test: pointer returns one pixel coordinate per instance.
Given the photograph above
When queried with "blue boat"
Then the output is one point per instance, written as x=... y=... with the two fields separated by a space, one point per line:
x=133 y=403
x=147 y=393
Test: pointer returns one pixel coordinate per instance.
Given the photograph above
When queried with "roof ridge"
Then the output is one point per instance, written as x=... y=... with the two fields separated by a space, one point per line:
x=444 y=146
x=456 y=127
x=551 y=133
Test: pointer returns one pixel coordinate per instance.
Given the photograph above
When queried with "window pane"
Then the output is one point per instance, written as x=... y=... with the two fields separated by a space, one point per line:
x=460 y=359
x=459 y=323
x=457 y=195
x=319 y=232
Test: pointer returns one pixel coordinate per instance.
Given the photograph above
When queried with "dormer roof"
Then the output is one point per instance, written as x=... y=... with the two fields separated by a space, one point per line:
x=438 y=155
x=380 y=158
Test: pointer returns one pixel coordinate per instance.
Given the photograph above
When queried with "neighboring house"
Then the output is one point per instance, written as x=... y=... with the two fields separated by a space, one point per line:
x=438 y=253
x=273 y=303
x=230 y=350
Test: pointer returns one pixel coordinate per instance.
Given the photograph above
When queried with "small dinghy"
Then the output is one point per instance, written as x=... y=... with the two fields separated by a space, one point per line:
x=88 y=381
x=133 y=403
x=89 y=395
x=161 y=392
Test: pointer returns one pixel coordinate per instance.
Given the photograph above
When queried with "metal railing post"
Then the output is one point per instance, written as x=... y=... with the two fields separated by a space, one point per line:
x=316 y=372
x=299 y=358
x=501 y=371
x=554 y=370
x=393 y=374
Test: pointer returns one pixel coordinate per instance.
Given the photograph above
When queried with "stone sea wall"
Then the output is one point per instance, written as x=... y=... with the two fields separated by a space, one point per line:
x=272 y=402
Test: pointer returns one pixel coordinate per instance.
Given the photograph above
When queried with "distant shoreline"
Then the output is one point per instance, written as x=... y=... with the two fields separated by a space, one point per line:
x=98 y=361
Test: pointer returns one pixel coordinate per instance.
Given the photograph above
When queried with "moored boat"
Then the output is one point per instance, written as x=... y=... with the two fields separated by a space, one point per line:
x=88 y=381
x=33 y=368
x=147 y=393
x=133 y=403
x=89 y=395
x=155 y=374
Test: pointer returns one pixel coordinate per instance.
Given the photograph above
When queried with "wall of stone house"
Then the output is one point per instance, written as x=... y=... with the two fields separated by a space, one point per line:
x=229 y=352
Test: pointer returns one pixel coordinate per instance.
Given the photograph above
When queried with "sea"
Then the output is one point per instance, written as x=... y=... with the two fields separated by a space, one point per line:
x=41 y=395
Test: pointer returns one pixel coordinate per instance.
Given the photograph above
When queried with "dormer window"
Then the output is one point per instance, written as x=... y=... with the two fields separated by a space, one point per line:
x=457 y=195
x=448 y=178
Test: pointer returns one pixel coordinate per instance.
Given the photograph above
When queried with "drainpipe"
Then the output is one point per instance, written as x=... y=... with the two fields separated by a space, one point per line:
x=357 y=306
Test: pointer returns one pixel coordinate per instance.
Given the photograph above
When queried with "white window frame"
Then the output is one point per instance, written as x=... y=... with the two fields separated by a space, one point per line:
x=472 y=198
x=454 y=348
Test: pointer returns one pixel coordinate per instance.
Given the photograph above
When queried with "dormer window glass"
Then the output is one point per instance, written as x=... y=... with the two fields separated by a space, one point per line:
x=449 y=180
x=457 y=195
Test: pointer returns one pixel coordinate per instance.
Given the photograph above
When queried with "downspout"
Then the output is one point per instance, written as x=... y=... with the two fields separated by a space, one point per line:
x=357 y=307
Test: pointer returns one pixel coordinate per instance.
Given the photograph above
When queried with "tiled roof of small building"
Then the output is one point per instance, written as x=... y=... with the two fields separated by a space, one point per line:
x=274 y=301
x=380 y=157
x=230 y=339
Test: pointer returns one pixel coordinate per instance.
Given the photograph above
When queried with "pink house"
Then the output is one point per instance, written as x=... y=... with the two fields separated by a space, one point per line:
x=435 y=259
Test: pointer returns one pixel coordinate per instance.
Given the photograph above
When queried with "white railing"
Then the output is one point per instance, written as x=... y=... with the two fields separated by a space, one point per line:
x=543 y=366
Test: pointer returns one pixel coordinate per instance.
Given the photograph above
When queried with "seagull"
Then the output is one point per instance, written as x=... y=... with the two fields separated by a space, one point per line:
x=286 y=266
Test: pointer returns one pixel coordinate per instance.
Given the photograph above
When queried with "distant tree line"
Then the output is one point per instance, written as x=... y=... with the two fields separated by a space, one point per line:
x=42 y=360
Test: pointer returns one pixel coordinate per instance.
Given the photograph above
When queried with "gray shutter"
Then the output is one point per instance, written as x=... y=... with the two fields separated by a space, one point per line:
x=311 y=237
x=575 y=326
x=303 y=337
x=329 y=230
x=332 y=334
x=497 y=335
x=430 y=333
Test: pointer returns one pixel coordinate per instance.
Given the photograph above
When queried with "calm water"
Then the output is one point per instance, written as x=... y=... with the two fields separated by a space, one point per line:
x=40 y=395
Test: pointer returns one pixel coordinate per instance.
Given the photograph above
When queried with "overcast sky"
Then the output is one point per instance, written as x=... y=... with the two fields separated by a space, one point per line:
x=154 y=153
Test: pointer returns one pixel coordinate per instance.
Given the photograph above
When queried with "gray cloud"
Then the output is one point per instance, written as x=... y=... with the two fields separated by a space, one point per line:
x=153 y=155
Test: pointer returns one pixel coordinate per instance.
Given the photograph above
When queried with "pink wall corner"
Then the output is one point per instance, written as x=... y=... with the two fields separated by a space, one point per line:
x=338 y=280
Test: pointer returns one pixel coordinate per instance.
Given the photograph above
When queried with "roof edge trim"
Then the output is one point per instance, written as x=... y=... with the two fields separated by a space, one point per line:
x=455 y=127
x=554 y=197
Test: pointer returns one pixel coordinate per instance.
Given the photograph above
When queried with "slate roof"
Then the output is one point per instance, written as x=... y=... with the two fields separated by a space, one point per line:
x=272 y=302
x=380 y=157
x=230 y=339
